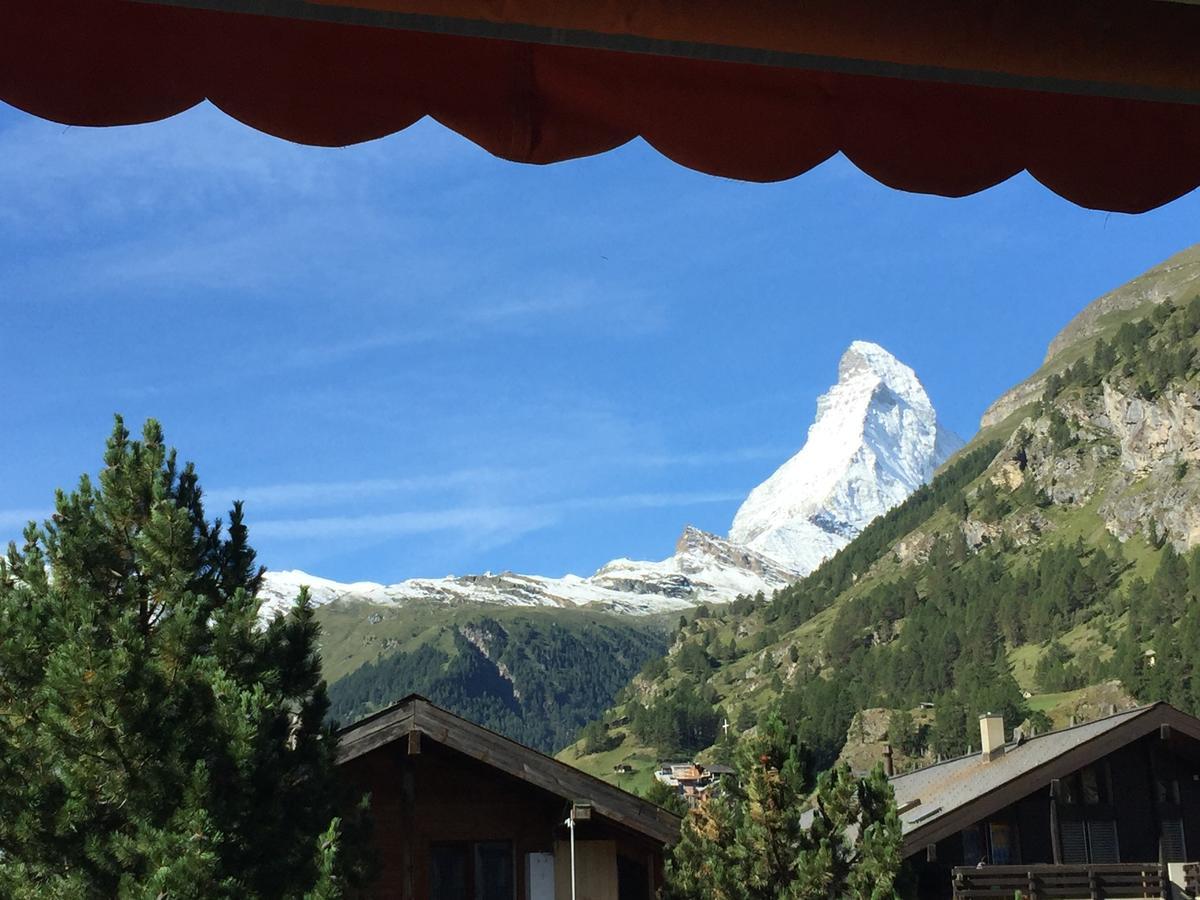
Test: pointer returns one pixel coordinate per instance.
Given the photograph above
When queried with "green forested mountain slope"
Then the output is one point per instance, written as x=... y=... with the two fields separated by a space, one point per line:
x=1052 y=553
x=1175 y=280
x=536 y=675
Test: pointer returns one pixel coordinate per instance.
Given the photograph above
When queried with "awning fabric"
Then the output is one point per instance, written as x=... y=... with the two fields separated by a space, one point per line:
x=1098 y=99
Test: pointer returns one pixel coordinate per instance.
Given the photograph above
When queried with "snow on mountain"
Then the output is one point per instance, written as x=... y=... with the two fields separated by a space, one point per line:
x=705 y=569
x=875 y=440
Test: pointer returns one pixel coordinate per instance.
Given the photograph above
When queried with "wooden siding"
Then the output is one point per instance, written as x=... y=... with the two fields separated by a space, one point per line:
x=439 y=796
x=595 y=870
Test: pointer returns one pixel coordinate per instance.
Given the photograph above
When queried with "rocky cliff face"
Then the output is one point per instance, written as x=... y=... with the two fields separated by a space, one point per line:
x=1137 y=460
x=1123 y=446
x=1040 y=558
x=875 y=440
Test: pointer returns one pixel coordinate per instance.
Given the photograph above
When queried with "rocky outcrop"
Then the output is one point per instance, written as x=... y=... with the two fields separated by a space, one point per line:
x=694 y=545
x=1137 y=459
x=913 y=549
x=490 y=640
x=1012 y=400
x=1149 y=432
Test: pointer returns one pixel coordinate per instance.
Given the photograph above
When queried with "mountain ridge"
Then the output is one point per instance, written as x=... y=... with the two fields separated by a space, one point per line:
x=1173 y=279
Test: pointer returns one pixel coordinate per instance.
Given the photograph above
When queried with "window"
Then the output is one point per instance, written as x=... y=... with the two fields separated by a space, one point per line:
x=991 y=843
x=972 y=847
x=1003 y=847
x=494 y=871
x=478 y=871
x=633 y=880
x=448 y=872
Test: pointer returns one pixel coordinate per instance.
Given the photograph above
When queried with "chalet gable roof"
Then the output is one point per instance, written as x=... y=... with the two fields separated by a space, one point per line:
x=415 y=715
x=942 y=799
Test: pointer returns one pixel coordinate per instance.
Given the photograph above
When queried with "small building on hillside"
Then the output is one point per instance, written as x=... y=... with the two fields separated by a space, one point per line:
x=692 y=781
x=463 y=813
x=1109 y=808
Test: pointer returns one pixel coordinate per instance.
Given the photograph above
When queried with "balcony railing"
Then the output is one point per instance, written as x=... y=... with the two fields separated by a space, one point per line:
x=1044 y=882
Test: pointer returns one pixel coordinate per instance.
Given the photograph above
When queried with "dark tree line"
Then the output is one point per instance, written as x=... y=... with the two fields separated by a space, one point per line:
x=678 y=722
x=1151 y=352
x=556 y=677
x=806 y=598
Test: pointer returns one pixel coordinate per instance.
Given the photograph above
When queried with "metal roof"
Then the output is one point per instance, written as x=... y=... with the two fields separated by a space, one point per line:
x=941 y=799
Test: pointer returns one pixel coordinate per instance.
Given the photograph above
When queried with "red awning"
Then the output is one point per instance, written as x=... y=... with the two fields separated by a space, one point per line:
x=1098 y=99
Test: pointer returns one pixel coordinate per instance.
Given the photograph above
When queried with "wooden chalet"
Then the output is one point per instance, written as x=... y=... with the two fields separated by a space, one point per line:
x=463 y=813
x=1109 y=808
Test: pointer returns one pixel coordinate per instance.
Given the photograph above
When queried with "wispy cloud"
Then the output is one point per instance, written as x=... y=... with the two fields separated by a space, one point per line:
x=475 y=522
x=514 y=479
x=12 y=521
x=312 y=493
x=553 y=305
x=182 y=166
x=478 y=521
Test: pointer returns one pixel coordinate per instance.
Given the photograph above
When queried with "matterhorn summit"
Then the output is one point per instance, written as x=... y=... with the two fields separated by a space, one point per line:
x=876 y=439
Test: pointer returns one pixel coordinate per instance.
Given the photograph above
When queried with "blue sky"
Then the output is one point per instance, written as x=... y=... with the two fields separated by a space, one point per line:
x=411 y=358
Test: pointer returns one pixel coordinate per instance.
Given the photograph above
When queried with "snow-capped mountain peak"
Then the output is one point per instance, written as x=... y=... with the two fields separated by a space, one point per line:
x=875 y=440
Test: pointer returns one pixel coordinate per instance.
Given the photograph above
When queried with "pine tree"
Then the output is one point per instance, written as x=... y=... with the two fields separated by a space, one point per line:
x=754 y=842
x=155 y=740
x=949 y=726
x=903 y=733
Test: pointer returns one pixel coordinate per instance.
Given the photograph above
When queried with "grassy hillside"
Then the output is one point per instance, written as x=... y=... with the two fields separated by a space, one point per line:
x=1048 y=559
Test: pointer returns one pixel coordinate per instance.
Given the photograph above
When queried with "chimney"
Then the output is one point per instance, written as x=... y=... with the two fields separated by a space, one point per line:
x=889 y=767
x=991 y=732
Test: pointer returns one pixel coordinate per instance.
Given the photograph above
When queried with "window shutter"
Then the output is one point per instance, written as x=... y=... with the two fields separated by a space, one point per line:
x=1174 y=849
x=1102 y=838
x=1074 y=842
